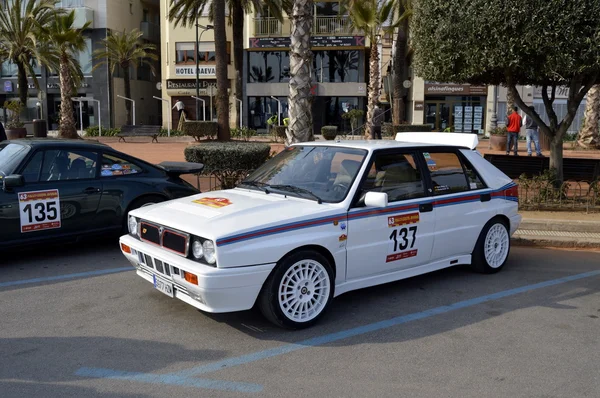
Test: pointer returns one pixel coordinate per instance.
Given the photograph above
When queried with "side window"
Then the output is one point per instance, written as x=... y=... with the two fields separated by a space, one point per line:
x=395 y=174
x=474 y=181
x=447 y=174
x=31 y=172
x=114 y=166
x=63 y=165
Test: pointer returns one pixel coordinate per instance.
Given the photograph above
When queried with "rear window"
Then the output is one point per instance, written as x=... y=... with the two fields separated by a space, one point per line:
x=11 y=156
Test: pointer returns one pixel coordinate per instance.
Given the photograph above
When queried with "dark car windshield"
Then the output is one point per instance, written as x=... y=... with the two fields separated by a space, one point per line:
x=320 y=173
x=11 y=155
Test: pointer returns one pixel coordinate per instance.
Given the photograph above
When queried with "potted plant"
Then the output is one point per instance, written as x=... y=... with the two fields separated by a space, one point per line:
x=329 y=132
x=498 y=138
x=15 y=128
x=353 y=115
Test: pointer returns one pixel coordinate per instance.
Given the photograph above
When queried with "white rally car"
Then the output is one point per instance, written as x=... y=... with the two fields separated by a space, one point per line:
x=324 y=218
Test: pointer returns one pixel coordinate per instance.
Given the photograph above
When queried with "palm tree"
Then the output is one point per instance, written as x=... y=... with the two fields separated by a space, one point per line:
x=400 y=56
x=20 y=32
x=185 y=13
x=67 y=42
x=126 y=49
x=300 y=127
x=589 y=135
x=372 y=17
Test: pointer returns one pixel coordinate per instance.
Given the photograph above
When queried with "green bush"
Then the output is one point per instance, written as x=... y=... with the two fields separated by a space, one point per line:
x=500 y=130
x=243 y=133
x=174 y=133
x=329 y=132
x=411 y=128
x=200 y=129
x=279 y=132
x=228 y=161
x=92 y=131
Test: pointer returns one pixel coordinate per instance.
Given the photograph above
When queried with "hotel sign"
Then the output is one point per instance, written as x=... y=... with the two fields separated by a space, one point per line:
x=187 y=87
x=203 y=71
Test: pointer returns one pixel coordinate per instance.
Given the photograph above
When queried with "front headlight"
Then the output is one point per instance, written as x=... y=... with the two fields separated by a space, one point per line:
x=210 y=254
x=133 y=226
x=197 y=250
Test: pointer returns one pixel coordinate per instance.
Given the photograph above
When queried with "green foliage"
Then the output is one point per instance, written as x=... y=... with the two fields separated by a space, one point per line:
x=544 y=188
x=243 y=133
x=228 y=161
x=329 y=132
x=286 y=121
x=373 y=16
x=353 y=114
x=500 y=130
x=174 y=133
x=272 y=120
x=92 y=131
x=200 y=129
x=279 y=132
x=15 y=109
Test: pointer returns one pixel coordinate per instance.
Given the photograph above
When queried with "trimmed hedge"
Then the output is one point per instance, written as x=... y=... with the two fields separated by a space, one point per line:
x=92 y=131
x=244 y=133
x=329 y=132
x=279 y=132
x=387 y=130
x=200 y=129
x=218 y=156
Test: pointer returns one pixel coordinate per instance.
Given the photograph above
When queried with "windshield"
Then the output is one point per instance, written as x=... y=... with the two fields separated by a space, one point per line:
x=11 y=156
x=320 y=173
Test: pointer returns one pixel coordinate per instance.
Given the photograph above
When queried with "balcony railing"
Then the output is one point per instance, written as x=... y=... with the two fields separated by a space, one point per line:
x=336 y=25
x=267 y=27
x=71 y=3
x=150 y=31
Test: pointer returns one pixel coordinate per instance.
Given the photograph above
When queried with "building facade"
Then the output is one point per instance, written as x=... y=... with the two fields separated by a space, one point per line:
x=99 y=84
x=340 y=68
x=178 y=65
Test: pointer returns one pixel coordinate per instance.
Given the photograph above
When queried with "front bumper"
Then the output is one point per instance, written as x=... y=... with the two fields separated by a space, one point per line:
x=218 y=289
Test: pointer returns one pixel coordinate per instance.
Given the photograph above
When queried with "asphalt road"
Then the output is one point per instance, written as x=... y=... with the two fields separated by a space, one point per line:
x=529 y=331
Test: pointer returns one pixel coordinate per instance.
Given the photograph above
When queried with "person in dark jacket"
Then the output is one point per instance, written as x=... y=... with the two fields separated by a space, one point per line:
x=533 y=134
x=2 y=133
x=377 y=121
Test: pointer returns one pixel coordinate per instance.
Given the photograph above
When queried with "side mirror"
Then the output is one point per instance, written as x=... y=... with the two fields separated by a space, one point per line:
x=376 y=199
x=12 y=181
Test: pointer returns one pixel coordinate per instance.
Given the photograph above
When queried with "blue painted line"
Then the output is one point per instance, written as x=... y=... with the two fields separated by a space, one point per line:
x=66 y=277
x=169 y=379
x=184 y=377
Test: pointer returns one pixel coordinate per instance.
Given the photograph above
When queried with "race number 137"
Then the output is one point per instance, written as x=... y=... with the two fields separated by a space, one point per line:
x=39 y=210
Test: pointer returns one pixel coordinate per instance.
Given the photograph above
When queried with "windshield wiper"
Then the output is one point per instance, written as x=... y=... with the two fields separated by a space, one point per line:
x=295 y=189
x=256 y=184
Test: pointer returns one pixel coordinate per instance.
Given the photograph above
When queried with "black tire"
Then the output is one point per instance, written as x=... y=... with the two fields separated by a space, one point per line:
x=269 y=302
x=136 y=204
x=480 y=263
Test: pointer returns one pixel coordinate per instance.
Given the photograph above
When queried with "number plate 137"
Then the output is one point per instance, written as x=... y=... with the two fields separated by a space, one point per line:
x=39 y=210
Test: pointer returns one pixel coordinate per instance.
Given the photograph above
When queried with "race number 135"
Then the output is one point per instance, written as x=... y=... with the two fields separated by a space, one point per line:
x=39 y=210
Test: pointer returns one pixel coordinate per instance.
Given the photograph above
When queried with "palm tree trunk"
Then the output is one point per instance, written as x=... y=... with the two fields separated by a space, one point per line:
x=400 y=74
x=67 y=127
x=588 y=136
x=238 y=49
x=222 y=79
x=23 y=84
x=127 y=84
x=374 y=86
x=300 y=126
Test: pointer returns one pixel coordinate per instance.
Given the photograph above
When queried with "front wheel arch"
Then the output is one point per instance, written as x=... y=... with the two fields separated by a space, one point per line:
x=317 y=248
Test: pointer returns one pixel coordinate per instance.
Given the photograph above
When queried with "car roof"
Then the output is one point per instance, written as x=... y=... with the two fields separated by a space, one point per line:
x=54 y=142
x=371 y=145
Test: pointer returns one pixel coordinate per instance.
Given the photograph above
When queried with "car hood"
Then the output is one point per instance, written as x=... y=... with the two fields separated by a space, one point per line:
x=218 y=214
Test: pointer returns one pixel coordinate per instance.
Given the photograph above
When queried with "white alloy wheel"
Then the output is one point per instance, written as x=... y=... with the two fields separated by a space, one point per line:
x=496 y=246
x=304 y=290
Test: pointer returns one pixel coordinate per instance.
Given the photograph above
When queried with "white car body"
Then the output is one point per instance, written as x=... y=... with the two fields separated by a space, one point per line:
x=254 y=231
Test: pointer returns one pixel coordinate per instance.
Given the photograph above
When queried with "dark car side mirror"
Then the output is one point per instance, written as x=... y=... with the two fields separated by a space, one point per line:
x=12 y=181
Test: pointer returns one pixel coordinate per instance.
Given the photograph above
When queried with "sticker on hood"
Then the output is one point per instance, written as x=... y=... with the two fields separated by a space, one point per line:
x=213 y=202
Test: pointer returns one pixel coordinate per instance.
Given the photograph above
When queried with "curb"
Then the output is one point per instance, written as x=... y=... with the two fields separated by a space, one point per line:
x=555 y=242
x=560 y=225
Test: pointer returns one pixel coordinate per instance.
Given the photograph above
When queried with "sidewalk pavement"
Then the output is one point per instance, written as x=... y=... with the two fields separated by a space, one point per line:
x=562 y=229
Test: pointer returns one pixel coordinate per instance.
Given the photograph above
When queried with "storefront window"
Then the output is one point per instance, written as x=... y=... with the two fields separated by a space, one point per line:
x=10 y=70
x=263 y=108
x=268 y=66
x=85 y=58
x=336 y=66
x=455 y=114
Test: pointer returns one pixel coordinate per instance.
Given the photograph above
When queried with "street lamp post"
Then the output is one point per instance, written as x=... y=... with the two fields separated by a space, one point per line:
x=198 y=37
x=129 y=99
x=241 y=110
x=78 y=99
x=278 y=111
x=168 y=119
x=203 y=106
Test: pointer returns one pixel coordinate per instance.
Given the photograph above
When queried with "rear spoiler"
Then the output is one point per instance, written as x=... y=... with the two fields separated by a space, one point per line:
x=465 y=140
x=178 y=168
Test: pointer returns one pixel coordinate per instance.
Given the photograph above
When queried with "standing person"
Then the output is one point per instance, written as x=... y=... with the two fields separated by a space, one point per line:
x=377 y=120
x=533 y=134
x=513 y=126
x=180 y=107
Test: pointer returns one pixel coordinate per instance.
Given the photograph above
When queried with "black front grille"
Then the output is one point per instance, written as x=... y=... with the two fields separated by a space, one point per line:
x=175 y=241
x=150 y=233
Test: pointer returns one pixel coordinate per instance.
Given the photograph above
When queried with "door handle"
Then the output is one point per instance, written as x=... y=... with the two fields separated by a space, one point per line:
x=91 y=190
x=486 y=197
x=425 y=207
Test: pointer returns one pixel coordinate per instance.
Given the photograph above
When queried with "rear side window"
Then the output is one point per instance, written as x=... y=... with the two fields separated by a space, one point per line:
x=114 y=166
x=475 y=181
x=447 y=173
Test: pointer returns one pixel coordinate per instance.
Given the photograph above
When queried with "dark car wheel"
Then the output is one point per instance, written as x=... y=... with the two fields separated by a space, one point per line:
x=298 y=291
x=136 y=204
